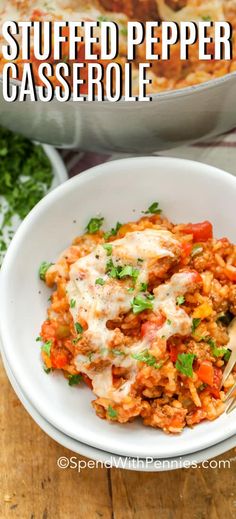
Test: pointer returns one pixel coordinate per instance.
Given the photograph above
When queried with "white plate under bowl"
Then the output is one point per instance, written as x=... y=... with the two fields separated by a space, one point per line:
x=120 y=190
x=108 y=459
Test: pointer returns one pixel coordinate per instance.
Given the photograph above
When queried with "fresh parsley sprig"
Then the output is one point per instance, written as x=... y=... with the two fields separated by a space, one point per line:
x=94 y=225
x=73 y=380
x=43 y=269
x=113 y=231
x=120 y=272
x=153 y=209
x=146 y=357
x=141 y=303
x=184 y=364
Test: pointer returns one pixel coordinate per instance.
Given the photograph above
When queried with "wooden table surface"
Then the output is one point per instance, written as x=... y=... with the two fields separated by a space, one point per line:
x=33 y=487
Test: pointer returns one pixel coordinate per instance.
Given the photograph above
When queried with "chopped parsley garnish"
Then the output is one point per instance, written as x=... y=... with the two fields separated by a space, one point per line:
x=73 y=380
x=100 y=281
x=118 y=353
x=197 y=249
x=140 y=260
x=130 y=290
x=43 y=269
x=47 y=370
x=79 y=328
x=94 y=225
x=227 y=355
x=180 y=300
x=77 y=339
x=143 y=287
x=72 y=303
x=184 y=363
x=103 y=19
x=150 y=296
x=153 y=209
x=141 y=303
x=112 y=413
x=108 y=248
x=169 y=322
x=216 y=352
x=120 y=272
x=207 y=18
x=130 y=271
x=112 y=231
x=38 y=339
x=124 y=31
x=195 y=323
x=46 y=348
x=147 y=358
x=111 y=270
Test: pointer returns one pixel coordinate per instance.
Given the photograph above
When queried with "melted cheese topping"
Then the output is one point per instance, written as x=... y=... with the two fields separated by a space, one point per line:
x=195 y=10
x=97 y=304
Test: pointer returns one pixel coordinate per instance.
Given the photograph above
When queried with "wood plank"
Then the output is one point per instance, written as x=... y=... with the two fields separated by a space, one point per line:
x=31 y=484
x=197 y=493
x=33 y=487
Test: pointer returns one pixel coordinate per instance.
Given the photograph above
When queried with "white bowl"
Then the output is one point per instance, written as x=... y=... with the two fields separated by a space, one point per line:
x=187 y=191
x=108 y=459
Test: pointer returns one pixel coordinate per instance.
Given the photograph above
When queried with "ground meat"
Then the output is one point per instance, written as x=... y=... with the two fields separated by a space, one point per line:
x=202 y=350
x=176 y=5
x=168 y=418
x=203 y=261
x=219 y=296
x=232 y=299
x=141 y=10
x=160 y=271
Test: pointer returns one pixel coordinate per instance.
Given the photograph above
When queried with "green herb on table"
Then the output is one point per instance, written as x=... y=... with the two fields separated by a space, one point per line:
x=25 y=177
x=153 y=209
x=184 y=364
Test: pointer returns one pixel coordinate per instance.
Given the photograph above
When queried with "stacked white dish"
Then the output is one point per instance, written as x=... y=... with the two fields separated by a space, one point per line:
x=119 y=190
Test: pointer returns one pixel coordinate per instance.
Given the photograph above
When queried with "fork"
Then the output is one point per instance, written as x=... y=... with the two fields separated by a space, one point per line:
x=231 y=346
x=230 y=400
